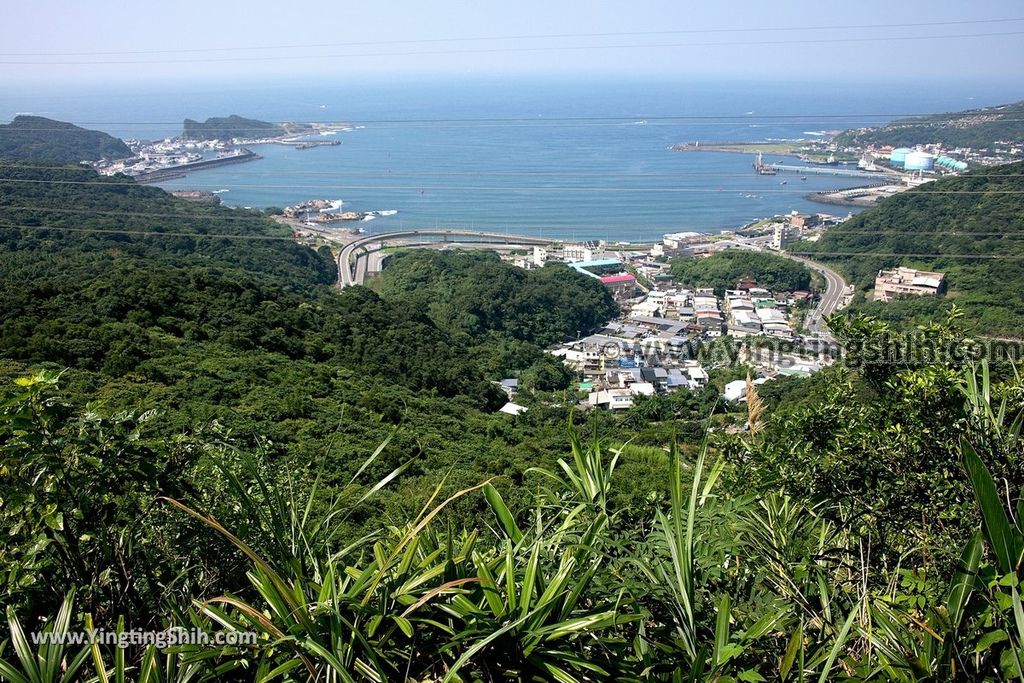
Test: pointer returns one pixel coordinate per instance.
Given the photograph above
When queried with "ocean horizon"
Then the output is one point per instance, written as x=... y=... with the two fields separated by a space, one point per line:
x=571 y=159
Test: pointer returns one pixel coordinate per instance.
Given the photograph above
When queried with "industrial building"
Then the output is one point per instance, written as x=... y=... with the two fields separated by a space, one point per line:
x=598 y=267
x=890 y=284
x=899 y=156
x=949 y=164
x=677 y=240
x=919 y=161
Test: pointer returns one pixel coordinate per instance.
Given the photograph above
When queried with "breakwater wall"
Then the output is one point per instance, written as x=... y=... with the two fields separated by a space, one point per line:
x=182 y=170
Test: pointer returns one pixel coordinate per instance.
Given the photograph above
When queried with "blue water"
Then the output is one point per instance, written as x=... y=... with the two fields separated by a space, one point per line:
x=500 y=154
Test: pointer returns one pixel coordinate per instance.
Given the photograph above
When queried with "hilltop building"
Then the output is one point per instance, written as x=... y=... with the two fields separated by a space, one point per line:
x=890 y=284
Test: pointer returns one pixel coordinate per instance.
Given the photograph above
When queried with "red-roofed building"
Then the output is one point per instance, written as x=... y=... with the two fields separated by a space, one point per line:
x=621 y=286
x=746 y=283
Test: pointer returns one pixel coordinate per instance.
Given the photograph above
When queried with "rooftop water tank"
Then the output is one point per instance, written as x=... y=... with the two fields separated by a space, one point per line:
x=899 y=155
x=919 y=161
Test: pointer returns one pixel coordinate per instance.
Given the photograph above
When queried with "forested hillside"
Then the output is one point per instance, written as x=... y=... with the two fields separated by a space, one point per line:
x=228 y=127
x=43 y=139
x=471 y=293
x=197 y=430
x=725 y=269
x=210 y=315
x=977 y=128
x=969 y=227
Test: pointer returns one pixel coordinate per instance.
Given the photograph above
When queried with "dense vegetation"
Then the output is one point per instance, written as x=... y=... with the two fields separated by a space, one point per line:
x=196 y=430
x=469 y=294
x=725 y=269
x=976 y=128
x=228 y=127
x=194 y=319
x=838 y=540
x=43 y=139
x=968 y=227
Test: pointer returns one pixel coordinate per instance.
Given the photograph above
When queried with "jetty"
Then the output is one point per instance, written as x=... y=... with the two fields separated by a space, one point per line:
x=181 y=170
x=824 y=170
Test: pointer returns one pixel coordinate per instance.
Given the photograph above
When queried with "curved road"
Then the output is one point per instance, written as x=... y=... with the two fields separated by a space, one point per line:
x=835 y=286
x=354 y=256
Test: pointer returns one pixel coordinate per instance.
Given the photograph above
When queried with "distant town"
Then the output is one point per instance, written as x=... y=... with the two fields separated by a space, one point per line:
x=664 y=339
x=660 y=343
x=946 y=146
x=221 y=142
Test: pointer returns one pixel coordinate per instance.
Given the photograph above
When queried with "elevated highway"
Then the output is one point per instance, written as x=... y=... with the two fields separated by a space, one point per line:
x=354 y=259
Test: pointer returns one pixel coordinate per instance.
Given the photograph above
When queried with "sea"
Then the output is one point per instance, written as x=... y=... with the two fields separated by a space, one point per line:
x=580 y=158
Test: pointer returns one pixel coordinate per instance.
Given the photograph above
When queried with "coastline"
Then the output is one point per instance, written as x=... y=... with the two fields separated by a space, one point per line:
x=300 y=136
x=798 y=149
x=182 y=170
x=863 y=196
x=400 y=163
x=783 y=148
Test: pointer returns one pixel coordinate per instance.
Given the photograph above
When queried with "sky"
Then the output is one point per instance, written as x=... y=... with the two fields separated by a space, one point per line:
x=58 y=43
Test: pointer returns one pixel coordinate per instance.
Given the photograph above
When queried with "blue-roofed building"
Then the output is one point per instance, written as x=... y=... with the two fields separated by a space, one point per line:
x=598 y=267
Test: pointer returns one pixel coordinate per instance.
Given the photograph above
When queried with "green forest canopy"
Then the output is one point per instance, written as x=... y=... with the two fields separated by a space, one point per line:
x=228 y=127
x=43 y=139
x=470 y=293
x=227 y=373
x=725 y=269
x=969 y=227
x=202 y=325
x=976 y=128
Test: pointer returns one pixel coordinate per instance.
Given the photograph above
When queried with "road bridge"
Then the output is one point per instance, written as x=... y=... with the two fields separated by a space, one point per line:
x=354 y=257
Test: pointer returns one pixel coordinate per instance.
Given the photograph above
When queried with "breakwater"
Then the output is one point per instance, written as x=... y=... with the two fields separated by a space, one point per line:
x=862 y=196
x=181 y=170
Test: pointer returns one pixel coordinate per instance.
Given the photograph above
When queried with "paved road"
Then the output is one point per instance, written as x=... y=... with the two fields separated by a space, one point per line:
x=354 y=257
x=362 y=255
x=835 y=287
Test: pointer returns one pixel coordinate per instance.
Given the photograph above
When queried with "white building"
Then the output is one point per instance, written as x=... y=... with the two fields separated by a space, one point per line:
x=577 y=252
x=697 y=374
x=512 y=409
x=676 y=240
x=612 y=399
x=642 y=388
x=784 y=234
x=735 y=390
x=647 y=309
